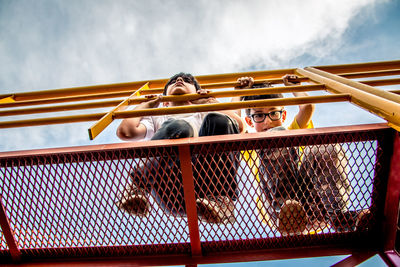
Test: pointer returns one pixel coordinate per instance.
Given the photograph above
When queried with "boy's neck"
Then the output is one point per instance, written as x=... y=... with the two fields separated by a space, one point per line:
x=177 y=104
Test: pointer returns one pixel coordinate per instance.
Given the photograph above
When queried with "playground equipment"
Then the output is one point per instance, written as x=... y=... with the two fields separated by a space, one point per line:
x=58 y=205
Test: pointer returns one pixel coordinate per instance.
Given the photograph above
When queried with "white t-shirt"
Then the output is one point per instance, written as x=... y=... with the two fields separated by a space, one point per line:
x=153 y=123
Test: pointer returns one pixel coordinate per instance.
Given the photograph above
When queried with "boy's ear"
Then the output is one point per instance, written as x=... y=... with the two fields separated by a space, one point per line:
x=249 y=121
x=283 y=115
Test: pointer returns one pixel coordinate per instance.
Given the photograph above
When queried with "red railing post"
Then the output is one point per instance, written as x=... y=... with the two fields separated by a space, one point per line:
x=190 y=199
x=392 y=205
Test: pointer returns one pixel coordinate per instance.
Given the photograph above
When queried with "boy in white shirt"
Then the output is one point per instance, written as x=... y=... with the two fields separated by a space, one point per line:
x=215 y=191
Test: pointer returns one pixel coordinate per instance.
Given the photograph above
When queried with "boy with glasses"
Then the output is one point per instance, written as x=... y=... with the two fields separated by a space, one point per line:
x=304 y=188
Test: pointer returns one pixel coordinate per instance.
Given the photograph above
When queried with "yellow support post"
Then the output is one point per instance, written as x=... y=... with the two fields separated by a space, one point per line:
x=99 y=126
x=386 y=109
x=8 y=99
x=355 y=84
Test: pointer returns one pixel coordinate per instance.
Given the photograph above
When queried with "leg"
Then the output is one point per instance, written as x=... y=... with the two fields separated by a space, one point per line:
x=134 y=199
x=216 y=174
x=159 y=176
x=327 y=165
x=283 y=189
x=164 y=173
x=174 y=129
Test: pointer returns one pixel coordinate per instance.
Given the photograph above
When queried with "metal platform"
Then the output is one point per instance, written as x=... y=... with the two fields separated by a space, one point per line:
x=58 y=205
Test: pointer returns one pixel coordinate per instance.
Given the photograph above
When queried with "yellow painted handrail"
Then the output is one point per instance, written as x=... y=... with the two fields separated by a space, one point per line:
x=138 y=100
x=177 y=110
x=336 y=79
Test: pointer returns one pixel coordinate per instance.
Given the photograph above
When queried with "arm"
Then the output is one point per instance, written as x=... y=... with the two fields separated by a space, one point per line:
x=306 y=111
x=131 y=129
x=243 y=83
x=213 y=100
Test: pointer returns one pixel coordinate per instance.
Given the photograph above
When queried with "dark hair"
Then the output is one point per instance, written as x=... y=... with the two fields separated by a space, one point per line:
x=186 y=76
x=259 y=97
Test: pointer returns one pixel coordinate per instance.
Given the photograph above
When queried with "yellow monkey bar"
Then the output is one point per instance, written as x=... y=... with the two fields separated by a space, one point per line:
x=336 y=79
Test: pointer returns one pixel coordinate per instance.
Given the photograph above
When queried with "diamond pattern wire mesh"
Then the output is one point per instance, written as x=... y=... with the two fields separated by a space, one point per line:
x=3 y=243
x=332 y=181
x=65 y=204
x=68 y=201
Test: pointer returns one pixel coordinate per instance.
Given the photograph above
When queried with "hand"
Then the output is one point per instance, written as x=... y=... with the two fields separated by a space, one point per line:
x=291 y=79
x=245 y=82
x=207 y=100
x=152 y=101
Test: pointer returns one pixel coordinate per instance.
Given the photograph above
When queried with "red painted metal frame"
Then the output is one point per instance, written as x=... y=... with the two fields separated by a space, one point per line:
x=355 y=259
x=8 y=234
x=392 y=207
x=201 y=252
x=190 y=201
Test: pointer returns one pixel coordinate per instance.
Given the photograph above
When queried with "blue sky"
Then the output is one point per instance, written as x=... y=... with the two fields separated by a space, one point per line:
x=52 y=44
x=56 y=44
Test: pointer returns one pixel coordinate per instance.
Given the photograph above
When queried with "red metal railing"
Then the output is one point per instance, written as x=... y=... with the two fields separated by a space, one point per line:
x=59 y=204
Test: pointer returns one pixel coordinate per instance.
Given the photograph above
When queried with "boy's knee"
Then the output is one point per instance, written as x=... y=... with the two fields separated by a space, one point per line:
x=217 y=118
x=220 y=121
x=181 y=129
x=174 y=129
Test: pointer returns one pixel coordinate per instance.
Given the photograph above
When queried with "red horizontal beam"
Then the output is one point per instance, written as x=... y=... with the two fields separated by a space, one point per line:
x=228 y=257
x=200 y=140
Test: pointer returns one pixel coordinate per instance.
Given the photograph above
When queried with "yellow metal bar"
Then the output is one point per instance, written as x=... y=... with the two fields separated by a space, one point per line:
x=365 y=74
x=178 y=110
x=78 y=91
x=358 y=67
x=99 y=126
x=138 y=100
x=229 y=84
x=204 y=79
x=256 y=81
x=58 y=108
x=8 y=99
x=51 y=120
x=384 y=108
x=382 y=82
x=56 y=100
x=363 y=87
x=290 y=101
x=83 y=94
x=242 y=92
x=131 y=86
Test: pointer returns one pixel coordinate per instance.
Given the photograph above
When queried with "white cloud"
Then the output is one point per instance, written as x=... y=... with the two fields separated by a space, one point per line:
x=56 y=44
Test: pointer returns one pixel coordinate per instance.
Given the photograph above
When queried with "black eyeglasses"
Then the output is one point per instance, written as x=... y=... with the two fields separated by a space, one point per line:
x=273 y=115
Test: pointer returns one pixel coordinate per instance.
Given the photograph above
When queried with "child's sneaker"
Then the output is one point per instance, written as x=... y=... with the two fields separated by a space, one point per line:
x=351 y=220
x=220 y=210
x=134 y=201
x=292 y=218
x=363 y=220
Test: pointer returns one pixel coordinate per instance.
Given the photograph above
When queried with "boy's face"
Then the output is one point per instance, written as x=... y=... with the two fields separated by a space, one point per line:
x=263 y=119
x=181 y=86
